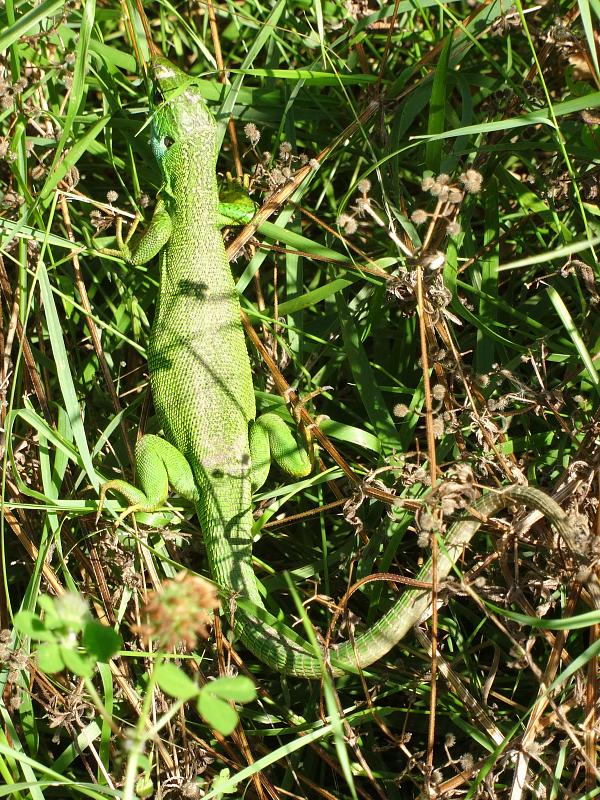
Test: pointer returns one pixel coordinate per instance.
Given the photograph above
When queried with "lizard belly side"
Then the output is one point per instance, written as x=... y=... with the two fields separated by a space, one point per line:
x=203 y=395
x=199 y=366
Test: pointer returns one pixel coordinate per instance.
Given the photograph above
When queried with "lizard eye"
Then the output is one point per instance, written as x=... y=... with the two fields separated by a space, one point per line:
x=167 y=142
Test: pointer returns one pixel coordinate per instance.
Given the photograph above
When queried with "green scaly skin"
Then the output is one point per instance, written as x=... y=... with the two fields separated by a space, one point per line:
x=203 y=395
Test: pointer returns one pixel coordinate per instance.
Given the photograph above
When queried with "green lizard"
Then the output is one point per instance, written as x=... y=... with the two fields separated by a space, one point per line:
x=215 y=450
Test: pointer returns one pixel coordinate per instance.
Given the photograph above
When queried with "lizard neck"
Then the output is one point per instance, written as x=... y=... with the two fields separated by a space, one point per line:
x=190 y=185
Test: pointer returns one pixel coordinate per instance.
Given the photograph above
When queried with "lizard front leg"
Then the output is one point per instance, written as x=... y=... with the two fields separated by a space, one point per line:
x=150 y=244
x=271 y=439
x=236 y=207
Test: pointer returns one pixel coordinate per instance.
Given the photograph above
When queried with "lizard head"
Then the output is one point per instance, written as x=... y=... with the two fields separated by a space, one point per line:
x=179 y=113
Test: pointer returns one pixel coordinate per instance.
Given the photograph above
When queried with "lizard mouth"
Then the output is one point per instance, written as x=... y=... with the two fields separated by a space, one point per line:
x=163 y=72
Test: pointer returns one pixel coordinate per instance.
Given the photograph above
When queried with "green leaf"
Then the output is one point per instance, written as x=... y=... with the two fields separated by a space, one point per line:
x=571 y=328
x=365 y=379
x=50 y=658
x=309 y=76
x=221 y=783
x=76 y=663
x=64 y=374
x=79 y=84
x=175 y=682
x=46 y=603
x=29 y=22
x=80 y=146
x=144 y=786
x=100 y=640
x=239 y=689
x=217 y=713
x=273 y=756
x=588 y=27
x=437 y=108
x=31 y=625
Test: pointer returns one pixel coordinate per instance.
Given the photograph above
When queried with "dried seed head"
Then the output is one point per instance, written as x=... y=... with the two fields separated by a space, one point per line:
x=423 y=540
x=285 y=150
x=419 y=216
x=438 y=391
x=401 y=410
x=471 y=180
x=437 y=427
x=466 y=762
x=437 y=776
x=252 y=133
x=362 y=204
x=181 y=612
x=348 y=223
x=20 y=85
x=440 y=191
x=276 y=178
x=38 y=172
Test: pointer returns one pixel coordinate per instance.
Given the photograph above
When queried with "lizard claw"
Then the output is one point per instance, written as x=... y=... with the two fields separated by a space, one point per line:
x=131 y=509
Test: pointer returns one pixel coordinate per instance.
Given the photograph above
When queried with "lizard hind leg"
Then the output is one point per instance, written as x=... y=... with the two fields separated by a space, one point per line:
x=271 y=439
x=158 y=465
